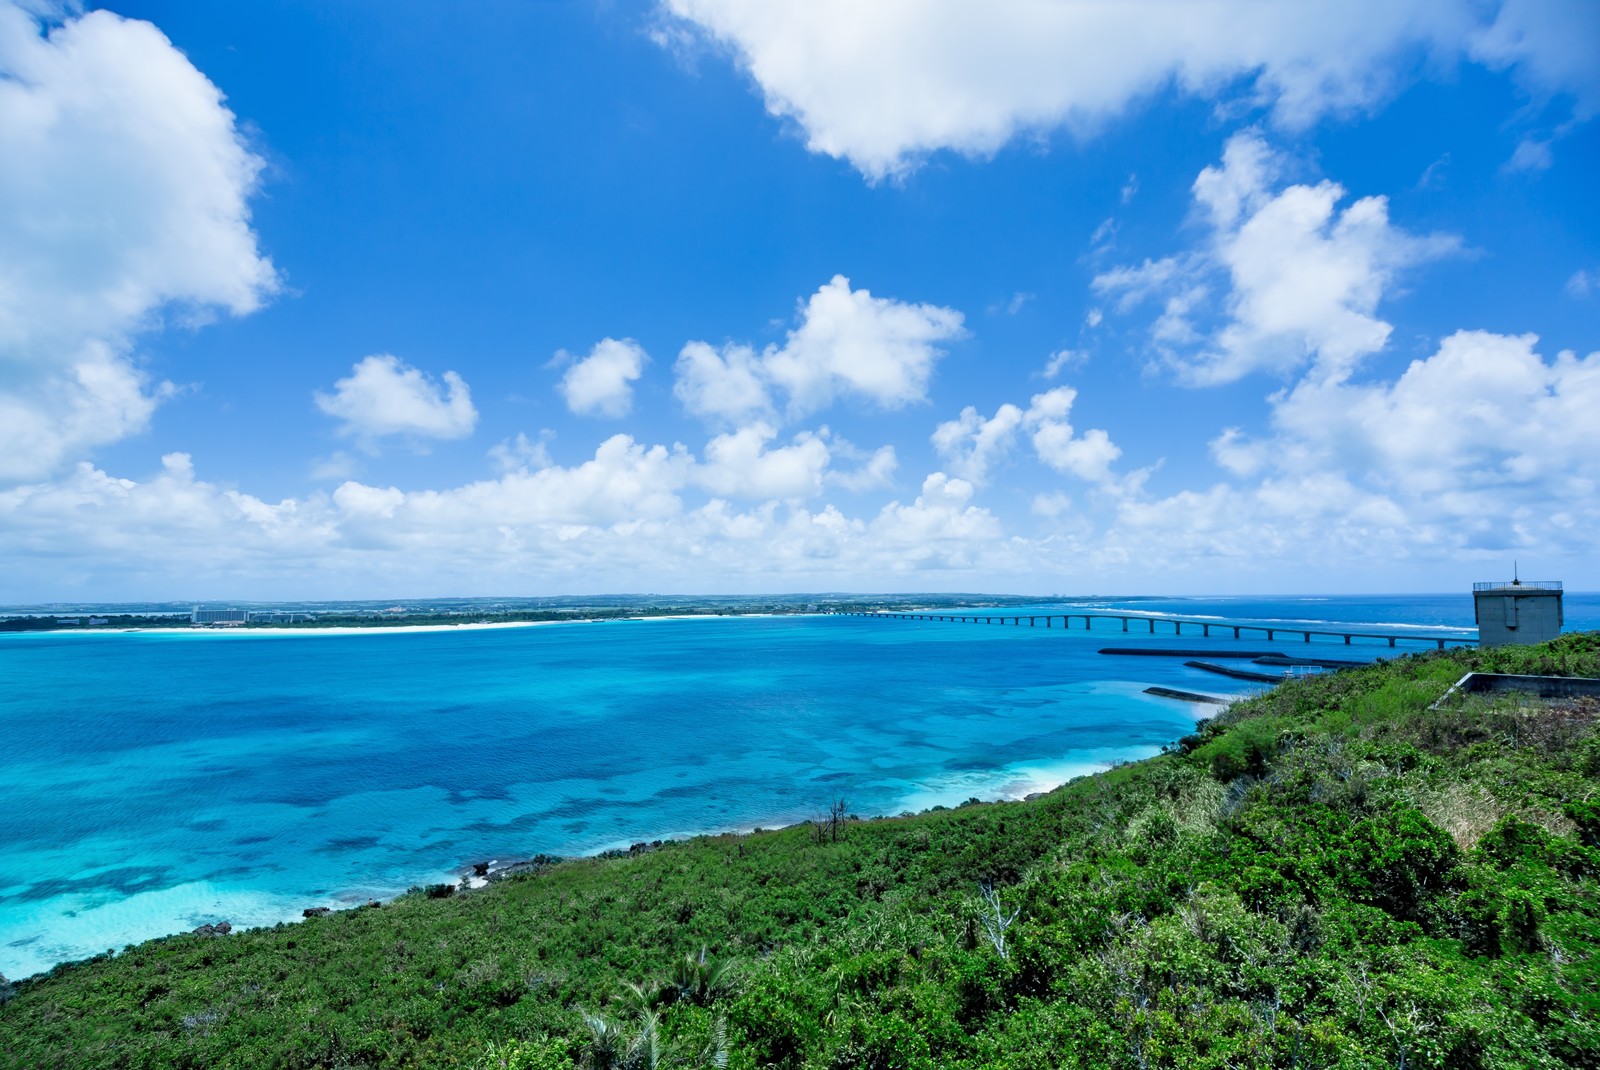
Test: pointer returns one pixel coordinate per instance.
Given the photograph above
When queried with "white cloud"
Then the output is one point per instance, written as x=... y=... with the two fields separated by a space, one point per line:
x=385 y=396
x=1582 y=283
x=1088 y=456
x=1531 y=155
x=617 y=521
x=1051 y=504
x=359 y=500
x=337 y=466
x=48 y=419
x=601 y=384
x=124 y=189
x=877 y=469
x=729 y=386
x=1304 y=278
x=1484 y=413
x=1131 y=285
x=1234 y=451
x=885 y=84
x=1063 y=359
x=523 y=452
x=1550 y=47
x=1012 y=305
x=1101 y=240
x=848 y=344
x=1484 y=447
x=971 y=445
x=1480 y=449
x=852 y=343
x=739 y=465
x=940 y=529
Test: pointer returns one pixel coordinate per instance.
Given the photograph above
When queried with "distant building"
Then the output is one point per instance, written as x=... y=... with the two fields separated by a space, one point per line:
x=99 y=622
x=1522 y=611
x=68 y=622
x=219 y=616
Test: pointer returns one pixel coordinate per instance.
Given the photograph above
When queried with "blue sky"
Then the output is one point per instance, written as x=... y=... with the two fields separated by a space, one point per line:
x=389 y=300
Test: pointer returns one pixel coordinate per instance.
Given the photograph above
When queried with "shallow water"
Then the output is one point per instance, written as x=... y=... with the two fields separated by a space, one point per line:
x=158 y=781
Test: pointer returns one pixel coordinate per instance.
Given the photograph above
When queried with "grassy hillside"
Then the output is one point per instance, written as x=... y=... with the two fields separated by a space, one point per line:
x=1328 y=875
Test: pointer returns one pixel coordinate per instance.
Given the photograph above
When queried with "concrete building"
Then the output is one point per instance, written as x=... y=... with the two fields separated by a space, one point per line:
x=219 y=616
x=1522 y=611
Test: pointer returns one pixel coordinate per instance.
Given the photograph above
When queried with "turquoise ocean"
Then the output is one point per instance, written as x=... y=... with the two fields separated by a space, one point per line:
x=156 y=781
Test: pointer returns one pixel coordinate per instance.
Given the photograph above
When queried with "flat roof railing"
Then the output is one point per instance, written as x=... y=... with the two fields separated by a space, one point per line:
x=1513 y=585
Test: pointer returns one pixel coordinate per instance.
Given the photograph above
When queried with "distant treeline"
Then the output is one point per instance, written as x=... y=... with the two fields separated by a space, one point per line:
x=70 y=622
x=300 y=618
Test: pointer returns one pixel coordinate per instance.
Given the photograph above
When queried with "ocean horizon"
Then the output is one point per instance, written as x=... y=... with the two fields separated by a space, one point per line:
x=163 y=780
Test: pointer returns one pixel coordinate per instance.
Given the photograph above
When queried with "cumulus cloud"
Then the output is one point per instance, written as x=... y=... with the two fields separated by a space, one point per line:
x=849 y=344
x=1087 y=456
x=618 y=520
x=727 y=386
x=970 y=444
x=1483 y=413
x=601 y=384
x=384 y=396
x=124 y=197
x=740 y=465
x=884 y=84
x=852 y=343
x=875 y=470
x=523 y=452
x=940 y=529
x=1482 y=449
x=1304 y=278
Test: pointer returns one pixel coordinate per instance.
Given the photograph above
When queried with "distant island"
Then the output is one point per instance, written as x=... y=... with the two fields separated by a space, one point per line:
x=439 y=612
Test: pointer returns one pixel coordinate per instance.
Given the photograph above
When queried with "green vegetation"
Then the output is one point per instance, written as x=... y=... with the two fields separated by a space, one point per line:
x=80 y=622
x=1332 y=874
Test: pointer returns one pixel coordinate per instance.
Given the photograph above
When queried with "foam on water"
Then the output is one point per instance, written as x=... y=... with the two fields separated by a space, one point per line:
x=158 y=781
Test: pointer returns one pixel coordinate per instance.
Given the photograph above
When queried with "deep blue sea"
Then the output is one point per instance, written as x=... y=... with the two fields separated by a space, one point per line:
x=156 y=781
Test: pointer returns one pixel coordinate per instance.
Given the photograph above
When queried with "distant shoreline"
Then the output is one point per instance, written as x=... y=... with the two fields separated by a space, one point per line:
x=391 y=629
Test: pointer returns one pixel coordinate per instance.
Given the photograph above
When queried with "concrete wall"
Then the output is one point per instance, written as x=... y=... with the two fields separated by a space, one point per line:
x=1517 y=615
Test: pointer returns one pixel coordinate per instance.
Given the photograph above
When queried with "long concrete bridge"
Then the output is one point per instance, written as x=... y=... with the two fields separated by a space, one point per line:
x=1204 y=627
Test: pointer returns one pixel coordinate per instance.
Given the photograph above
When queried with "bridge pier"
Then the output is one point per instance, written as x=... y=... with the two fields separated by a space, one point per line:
x=1391 y=640
x=1152 y=626
x=1205 y=629
x=1124 y=623
x=1347 y=640
x=1236 y=632
x=1269 y=635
